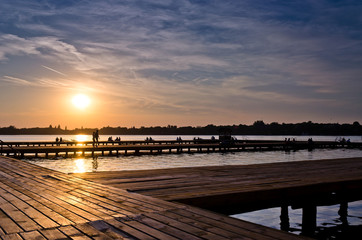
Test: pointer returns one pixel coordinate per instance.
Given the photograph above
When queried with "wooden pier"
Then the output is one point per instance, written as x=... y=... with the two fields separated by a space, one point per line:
x=244 y=187
x=38 y=203
x=70 y=149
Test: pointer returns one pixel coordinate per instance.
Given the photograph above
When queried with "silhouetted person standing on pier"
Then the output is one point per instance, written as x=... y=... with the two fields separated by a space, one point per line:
x=97 y=137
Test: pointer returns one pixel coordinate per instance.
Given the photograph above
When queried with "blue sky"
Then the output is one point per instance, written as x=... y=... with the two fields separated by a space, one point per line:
x=159 y=62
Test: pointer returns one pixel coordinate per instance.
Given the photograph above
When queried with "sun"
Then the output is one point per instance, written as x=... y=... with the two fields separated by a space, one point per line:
x=81 y=101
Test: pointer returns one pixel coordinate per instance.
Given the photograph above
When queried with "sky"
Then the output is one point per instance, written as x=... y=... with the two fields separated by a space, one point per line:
x=179 y=62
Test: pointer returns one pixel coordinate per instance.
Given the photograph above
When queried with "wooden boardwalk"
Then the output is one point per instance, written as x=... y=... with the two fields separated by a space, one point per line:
x=55 y=149
x=38 y=203
x=234 y=189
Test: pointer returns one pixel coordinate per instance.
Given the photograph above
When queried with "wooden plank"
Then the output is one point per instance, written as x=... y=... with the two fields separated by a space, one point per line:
x=193 y=229
x=33 y=235
x=53 y=234
x=13 y=236
x=165 y=227
x=114 y=227
x=149 y=229
x=7 y=224
x=92 y=232
x=73 y=233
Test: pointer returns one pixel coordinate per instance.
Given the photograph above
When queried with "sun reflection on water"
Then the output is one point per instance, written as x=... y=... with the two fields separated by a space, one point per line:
x=80 y=166
x=81 y=138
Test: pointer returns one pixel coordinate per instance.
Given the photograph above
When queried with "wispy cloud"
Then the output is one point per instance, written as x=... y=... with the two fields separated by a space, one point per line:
x=17 y=81
x=168 y=55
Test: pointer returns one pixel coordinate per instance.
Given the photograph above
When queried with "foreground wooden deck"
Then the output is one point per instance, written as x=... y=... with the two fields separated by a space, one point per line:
x=234 y=189
x=38 y=203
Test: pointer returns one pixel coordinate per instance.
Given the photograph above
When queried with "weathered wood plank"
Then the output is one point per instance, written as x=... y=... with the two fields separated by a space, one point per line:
x=121 y=229
x=167 y=228
x=92 y=232
x=13 y=236
x=188 y=226
x=53 y=234
x=73 y=233
x=7 y=224
x=33 y=235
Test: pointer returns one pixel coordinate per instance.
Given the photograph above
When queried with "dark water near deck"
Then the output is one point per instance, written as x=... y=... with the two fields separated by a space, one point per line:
x=329 y=223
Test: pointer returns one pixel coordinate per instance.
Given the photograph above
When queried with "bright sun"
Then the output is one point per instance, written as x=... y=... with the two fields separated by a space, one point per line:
x=81 y=101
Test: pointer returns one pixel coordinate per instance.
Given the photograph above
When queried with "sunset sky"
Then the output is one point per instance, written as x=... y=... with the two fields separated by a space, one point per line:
x=178 y=62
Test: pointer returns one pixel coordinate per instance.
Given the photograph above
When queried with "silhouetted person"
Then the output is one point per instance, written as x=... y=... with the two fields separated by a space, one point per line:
x=97 y=137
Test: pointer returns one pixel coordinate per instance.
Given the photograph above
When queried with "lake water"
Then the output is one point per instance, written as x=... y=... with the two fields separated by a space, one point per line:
x=330 y=226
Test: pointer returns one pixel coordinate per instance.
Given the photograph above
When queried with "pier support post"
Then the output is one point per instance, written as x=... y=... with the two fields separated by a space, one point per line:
x=343 y=213
x=284 y=218
x=309 y=220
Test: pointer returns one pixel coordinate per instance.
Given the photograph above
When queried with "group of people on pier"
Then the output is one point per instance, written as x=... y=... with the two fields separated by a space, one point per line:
x=110 y=139
x=58 y=140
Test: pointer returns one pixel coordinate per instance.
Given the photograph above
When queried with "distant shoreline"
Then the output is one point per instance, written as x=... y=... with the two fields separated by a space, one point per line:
x=258 y=128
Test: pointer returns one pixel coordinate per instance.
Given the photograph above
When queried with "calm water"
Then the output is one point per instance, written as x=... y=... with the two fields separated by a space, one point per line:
x=329 y=223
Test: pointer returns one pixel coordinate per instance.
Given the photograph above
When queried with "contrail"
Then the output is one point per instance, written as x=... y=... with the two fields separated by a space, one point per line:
x=53 y=70
x=16 y=80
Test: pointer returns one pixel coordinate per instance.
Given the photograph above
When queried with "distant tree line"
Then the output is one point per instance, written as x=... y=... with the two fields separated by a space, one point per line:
x=258 y=128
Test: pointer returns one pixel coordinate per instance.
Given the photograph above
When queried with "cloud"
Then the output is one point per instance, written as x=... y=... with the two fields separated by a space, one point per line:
x=169 y=55
x=14 y=45
x=17 y=81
